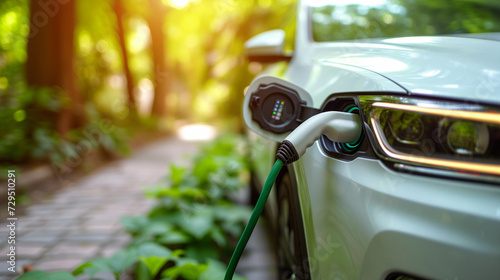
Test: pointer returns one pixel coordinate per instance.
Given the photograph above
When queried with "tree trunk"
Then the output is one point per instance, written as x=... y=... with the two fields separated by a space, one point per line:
x=161 y=82
x=51 y=54
x=119 y=11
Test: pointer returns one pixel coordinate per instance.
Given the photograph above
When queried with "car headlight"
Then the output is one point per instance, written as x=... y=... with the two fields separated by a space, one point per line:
x=438 y=135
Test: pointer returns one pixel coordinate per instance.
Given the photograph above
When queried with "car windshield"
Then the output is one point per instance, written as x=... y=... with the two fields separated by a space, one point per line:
x=336 y=20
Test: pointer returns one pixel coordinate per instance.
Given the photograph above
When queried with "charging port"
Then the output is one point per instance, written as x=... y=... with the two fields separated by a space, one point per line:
x=352 y=147
x=345 y=151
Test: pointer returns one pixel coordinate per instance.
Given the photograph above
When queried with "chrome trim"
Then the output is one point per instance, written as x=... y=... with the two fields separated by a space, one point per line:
x=427 y=161
x=490 y=117
x=445 y=173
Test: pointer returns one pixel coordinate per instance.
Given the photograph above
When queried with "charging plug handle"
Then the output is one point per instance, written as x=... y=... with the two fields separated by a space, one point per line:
x=339 y=127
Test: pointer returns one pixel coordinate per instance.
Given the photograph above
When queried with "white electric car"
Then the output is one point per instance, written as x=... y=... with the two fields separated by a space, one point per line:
x=417 y=196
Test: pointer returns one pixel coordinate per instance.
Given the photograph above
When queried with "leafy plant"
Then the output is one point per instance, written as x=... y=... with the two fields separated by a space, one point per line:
x=42 y=275
x=29 y=132
x=191 y=227
x=193 y=224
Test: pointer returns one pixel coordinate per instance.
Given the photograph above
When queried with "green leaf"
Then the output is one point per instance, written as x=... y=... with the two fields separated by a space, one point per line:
x=187 y=269
x=134 y=224
x=59 y=275
x=202 y=251
x=41 y=275
x=233 y=168
x=197 y=224
x=203 y=168
x=142 y=272
x=192 y=271
x=232 y=218
x=177 y=174
x=216 y=271
x=122 y=260
x=186 y=192
x=233 y=229
x=161 y=213
x=218 y=236
x=233 y=213
x=154 y=264
x=190 y=192
x=176 y=254
x=153 y=249
x=33 y=275
x=81 y=268
x=174 y=237
x=93 y=267
x=157 y=227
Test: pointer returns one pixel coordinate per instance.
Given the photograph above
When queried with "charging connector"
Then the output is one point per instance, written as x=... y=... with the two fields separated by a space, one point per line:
x=337 y=126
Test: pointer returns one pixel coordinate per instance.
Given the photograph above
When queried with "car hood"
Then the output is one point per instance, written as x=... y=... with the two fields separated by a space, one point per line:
x=451 y=67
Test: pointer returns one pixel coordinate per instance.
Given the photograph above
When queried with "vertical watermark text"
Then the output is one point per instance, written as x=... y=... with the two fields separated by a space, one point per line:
x=11 y=220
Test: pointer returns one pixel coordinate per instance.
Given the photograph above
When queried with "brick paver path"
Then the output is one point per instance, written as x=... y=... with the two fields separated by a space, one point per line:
x=83 y=221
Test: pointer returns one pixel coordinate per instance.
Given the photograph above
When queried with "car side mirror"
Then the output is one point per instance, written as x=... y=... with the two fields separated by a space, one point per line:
x=267 y=47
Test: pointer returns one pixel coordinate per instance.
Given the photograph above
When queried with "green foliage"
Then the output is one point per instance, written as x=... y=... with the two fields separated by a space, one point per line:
x=211 y=63
x=26 y=123
x=29 y=133
x=41 y=275
x=28 y=115
x=216 y=271
x=398 y=18
x=207 y=74
x=193 y=224
x=152 y=255
x=194 y=211
x=187 y=269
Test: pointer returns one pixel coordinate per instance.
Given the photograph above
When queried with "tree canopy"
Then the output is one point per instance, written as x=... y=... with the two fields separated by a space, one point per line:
x=68 y=64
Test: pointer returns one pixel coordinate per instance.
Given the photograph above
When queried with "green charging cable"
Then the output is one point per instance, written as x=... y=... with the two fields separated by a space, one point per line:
x=261 y=202
x=337 y=126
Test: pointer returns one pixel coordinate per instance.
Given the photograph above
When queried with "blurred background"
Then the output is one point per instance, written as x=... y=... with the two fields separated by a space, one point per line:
x=100 y=77
x=85 y=82
x=114 y=71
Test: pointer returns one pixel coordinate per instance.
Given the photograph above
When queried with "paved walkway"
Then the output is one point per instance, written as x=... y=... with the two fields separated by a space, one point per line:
x=83 y=221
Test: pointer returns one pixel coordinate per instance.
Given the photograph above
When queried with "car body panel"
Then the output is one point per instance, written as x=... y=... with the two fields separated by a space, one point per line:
x=446 y=66
x=450 y=67
x=323 y=78
x=383 y=221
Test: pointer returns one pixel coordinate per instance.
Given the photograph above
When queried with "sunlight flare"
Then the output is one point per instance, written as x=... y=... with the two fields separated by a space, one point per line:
x=197 y=132
x=178 y=4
